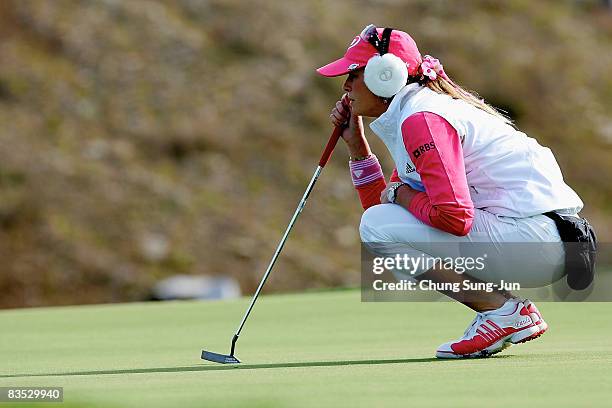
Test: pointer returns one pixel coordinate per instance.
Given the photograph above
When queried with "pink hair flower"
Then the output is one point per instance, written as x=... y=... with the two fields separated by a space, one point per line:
x=431 y=68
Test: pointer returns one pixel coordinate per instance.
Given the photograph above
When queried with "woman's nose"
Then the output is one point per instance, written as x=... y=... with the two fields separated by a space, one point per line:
x=346 y=86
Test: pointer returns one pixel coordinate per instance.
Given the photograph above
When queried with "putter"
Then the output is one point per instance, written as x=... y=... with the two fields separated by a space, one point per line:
x=231 y=359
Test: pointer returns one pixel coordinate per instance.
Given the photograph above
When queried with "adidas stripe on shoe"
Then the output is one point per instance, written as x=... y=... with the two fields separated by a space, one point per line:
x=492 y=331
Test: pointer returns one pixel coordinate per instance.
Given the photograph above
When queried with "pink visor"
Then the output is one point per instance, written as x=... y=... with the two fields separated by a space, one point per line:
x=361 y=50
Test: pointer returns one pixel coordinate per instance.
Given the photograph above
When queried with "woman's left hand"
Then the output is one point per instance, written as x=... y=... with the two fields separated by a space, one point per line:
x=384 y=194
x=403 y=195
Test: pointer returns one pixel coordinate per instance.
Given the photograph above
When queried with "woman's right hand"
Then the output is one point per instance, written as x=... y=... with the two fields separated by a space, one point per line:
x=341 y=115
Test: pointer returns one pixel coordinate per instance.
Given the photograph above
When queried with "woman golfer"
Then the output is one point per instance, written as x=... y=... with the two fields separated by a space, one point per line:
x=462 y=174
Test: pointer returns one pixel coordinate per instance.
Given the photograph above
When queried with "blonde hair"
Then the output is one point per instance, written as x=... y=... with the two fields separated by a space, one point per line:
x=448 y=87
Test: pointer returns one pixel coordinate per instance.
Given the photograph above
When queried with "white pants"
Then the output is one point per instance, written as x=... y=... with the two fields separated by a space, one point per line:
x=524 y=250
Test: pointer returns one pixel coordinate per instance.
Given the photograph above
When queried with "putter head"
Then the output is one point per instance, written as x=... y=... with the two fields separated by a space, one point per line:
x=219 y=358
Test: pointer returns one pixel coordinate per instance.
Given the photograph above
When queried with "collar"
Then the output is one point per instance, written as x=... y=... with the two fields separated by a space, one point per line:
x=388 y=122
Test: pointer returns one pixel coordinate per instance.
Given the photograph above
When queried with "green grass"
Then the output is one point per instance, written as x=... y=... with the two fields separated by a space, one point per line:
x=314 y=349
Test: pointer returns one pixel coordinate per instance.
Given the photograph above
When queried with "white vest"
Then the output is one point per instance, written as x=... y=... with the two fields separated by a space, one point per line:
x=508 y=173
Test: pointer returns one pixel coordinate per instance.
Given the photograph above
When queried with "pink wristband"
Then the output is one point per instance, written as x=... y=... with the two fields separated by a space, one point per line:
x=365 y=171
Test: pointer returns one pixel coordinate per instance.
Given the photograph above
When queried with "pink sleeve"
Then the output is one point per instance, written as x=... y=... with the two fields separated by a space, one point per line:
x=369 y=194
x=435 y=149
x=369 y=180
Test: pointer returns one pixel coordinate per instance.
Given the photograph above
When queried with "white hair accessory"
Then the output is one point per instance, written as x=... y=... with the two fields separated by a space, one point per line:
x=385 y=75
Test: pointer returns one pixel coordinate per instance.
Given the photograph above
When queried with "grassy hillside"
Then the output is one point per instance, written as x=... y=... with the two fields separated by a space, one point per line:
x=325 y=349
x=141 y=139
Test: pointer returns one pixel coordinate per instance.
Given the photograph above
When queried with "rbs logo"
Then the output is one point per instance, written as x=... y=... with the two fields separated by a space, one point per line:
x=423 y=148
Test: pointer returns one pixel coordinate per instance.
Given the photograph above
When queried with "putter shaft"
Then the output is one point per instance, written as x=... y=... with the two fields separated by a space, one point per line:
x=298 y=210
x=329 y=148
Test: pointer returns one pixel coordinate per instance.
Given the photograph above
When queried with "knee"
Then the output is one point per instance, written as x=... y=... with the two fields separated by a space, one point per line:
x=392 y=223
x=370 y=226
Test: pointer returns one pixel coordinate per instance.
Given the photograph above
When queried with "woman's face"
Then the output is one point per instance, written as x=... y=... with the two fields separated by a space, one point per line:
x=363 y=101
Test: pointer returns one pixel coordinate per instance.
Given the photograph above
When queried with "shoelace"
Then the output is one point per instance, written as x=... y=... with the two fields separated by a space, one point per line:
x=471 y=330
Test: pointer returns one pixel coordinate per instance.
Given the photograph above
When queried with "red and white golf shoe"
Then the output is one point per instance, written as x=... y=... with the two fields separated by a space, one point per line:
x=536 y=316
x=492 y=331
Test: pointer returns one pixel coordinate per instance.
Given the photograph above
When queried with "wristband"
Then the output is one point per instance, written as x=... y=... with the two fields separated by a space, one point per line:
x=365 y=171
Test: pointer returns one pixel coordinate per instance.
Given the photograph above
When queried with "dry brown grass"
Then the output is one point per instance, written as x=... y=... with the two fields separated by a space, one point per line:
x=195 y=126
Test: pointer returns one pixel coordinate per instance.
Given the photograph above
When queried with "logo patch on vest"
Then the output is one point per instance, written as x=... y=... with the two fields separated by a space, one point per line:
x=409 y=168
x=423 y=148
x=358 y=173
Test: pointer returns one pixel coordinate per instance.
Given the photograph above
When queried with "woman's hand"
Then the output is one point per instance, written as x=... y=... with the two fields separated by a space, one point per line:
x=341 y=113
x=353 y=134
x=385 y=194
x=403 y=195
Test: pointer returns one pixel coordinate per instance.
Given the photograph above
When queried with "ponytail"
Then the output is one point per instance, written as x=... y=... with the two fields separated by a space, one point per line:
x=432 y=75
x=448 y=87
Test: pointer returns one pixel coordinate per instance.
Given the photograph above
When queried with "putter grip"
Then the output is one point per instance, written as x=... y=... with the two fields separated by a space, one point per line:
x=331 y=144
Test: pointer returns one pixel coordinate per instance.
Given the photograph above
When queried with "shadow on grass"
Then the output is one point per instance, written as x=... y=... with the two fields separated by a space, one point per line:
x=216 y=367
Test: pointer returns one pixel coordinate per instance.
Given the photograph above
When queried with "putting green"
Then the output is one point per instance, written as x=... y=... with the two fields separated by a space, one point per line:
x=312 y=349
